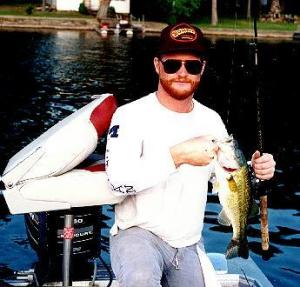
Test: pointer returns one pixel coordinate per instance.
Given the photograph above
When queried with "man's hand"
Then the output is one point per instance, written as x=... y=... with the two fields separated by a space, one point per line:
x=196 y=151
x=263 y=166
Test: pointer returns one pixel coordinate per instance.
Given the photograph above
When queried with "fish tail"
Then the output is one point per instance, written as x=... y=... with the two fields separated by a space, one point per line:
x=237 y=248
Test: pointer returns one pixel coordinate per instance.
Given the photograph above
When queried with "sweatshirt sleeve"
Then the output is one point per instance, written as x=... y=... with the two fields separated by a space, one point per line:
x=129 y=170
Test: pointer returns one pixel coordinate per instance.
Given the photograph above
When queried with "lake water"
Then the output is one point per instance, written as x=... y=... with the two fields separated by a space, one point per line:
x=44 y=76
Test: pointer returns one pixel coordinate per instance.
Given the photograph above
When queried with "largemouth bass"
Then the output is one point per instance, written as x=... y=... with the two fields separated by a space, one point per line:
x=232 y=182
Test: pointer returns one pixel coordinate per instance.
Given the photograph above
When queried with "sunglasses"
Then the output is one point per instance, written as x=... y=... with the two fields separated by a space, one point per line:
x=193 y=67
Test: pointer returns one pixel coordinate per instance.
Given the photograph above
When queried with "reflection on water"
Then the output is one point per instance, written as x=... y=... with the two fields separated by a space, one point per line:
x=45 y=76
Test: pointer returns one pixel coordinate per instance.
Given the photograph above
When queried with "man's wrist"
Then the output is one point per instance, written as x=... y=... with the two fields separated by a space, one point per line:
x=176 y=155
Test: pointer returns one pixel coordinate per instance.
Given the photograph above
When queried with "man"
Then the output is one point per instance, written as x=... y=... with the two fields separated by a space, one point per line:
x=159 y=154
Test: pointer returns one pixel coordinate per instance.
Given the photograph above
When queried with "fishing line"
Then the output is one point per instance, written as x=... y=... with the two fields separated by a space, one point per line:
x=94 y=273
x=259 y=98
x=254 y=45
x=111 y=278
x=244 y=273
x=232 y=64
x=2 y=186
x=35 y=280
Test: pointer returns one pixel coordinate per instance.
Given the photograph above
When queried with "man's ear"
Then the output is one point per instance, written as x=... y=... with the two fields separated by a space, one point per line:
x=156 y=64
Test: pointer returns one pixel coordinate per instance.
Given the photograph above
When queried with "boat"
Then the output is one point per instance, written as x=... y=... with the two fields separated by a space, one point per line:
x=63 y=227
x=118 y=31
x=296 y=34
x=45 y=235
x=236 y=272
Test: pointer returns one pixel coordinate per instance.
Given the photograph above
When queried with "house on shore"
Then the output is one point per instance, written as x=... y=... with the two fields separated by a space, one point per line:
x=122 y=7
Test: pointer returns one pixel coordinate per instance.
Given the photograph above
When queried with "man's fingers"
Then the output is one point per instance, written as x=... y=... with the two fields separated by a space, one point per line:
x=265 y=171
x=256 y=155
x=265 y=158
x=264 y=176
x=211 y=154
x=263 y=165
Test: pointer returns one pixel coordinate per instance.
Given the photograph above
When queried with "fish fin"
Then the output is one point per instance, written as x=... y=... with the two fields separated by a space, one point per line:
x=237 y=249
x=223 y=219
x=254 y=211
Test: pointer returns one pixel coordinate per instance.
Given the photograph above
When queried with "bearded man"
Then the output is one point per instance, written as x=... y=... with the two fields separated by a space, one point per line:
x=159 y=158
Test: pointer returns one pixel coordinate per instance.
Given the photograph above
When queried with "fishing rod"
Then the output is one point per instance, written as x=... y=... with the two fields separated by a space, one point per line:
x=261 y=186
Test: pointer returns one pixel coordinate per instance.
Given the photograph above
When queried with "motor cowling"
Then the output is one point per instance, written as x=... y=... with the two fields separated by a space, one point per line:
x=45 y=235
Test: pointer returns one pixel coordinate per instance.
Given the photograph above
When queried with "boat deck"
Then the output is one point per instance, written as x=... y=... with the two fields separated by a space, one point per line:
x=236 y=272
x=245 y=270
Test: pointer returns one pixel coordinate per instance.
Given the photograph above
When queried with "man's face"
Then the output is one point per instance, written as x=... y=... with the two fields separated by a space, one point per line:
x=179 y=78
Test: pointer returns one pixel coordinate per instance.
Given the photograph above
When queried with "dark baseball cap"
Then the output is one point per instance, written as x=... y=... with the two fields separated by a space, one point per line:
x=181 y=37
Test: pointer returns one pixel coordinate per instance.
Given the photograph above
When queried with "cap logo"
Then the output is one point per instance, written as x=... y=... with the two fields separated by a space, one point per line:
x=183 y=34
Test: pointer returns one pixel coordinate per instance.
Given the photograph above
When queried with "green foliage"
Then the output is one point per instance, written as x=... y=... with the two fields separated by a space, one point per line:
x=246 y=25
x=82 y=9
x=29 y=9
x=20 y=10
x=16 y=2
x=111 y=12
x=181 y=10
x=166 y=10
x=184 y=9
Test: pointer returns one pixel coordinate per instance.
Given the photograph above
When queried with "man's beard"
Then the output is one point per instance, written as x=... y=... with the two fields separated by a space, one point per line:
x=177 y=93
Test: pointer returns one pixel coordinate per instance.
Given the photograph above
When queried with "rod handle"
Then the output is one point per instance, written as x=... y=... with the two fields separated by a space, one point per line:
x=264 y=227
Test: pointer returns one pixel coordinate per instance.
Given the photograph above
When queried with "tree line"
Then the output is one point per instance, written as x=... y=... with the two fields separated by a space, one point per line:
x=191 y=10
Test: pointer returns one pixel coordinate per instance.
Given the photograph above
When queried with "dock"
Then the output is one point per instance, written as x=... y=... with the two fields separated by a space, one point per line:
x=128 y=30
x=105 y=31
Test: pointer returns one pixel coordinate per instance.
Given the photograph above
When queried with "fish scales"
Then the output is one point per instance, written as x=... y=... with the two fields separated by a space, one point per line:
x=238 y=207
x=232 y=182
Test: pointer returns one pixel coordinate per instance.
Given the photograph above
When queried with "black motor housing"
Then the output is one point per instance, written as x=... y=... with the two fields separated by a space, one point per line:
x=45 y=234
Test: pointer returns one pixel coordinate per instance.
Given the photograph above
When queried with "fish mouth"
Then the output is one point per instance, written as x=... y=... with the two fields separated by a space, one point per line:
x=227 y=161
x=229 y=169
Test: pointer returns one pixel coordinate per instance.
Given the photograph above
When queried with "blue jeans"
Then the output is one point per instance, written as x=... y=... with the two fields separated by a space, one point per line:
x=141 y=259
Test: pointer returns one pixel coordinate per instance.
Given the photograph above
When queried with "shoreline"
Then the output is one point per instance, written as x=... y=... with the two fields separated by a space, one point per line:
x=86 y=24
x=32 y=22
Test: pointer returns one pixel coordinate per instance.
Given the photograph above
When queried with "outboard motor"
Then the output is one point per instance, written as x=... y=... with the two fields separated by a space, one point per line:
x=49 y=181
x=45 y=231
x=45 y=234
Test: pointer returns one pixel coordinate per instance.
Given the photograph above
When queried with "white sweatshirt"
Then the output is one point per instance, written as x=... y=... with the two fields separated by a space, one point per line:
x=167 y=201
